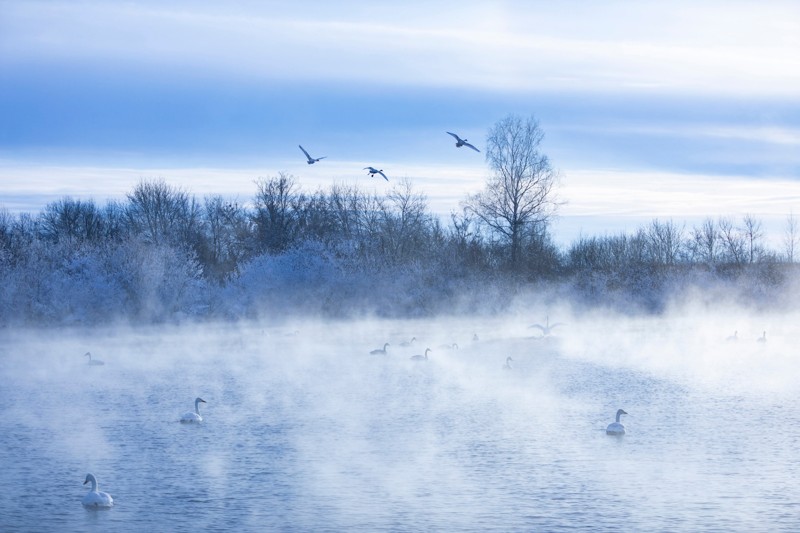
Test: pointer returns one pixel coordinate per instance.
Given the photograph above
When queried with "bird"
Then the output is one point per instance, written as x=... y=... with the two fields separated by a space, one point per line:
x=461 y=142
x=507 y=366
x=547 y=328
x=453 y=346
x=373 y=171
x=421 y=357
x=311 y=160
x=95 y=499
x=379 y=351
x=762 y=338
x=93 y=362
x=734 y=337
x=615 y=428
x=190 y=417
x=408 y=343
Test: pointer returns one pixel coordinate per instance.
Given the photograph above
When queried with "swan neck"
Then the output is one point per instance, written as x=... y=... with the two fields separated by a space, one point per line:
x=197 y=407
x=93 y=481
x=618 y=415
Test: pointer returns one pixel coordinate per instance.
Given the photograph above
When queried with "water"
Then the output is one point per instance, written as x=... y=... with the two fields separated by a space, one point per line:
x=305 y=431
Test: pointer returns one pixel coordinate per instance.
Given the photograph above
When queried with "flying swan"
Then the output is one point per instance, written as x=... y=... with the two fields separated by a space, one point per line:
x=311 y=160
x=615 y=428
x=194 y=416
x=373 y=171
x=461 y=142
x=95 y=499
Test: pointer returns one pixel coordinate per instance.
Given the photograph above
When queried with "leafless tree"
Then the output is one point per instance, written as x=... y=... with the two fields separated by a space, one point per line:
x=733 y=242
x=705 y=242
x=273 y=211
x=163 y=214
x=518 y=199
x=791 y=236
x=753 y=234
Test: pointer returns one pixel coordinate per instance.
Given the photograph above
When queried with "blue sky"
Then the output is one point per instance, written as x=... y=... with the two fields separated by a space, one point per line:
x=672 y=110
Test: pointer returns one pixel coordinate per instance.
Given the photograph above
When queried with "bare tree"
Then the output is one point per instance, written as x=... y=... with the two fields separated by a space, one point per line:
x=733 y=241
x=791 y=237
x=273 y=211
x=161 y=213
x=752 y=234
x=664 y=242
x=705 y=241
x=518 y=199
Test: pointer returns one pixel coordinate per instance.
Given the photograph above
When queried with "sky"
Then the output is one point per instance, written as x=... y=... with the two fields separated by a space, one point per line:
x=671 y=110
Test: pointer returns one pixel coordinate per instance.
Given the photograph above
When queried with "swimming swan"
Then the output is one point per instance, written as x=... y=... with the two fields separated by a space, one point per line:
x=93 y=362
x=615 y=428
x=734 y=337
x=194 y=417
x=379 y=351
x=408 y=343
x=421 y=357
x=762 y=338
x=95 y=499
x=507 y=366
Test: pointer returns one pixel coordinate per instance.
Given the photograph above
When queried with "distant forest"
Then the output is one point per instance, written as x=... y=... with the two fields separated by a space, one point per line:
x=162 y=255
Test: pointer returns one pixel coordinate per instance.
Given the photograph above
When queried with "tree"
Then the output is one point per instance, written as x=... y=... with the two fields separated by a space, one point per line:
x=791 y=236
x=518 y=200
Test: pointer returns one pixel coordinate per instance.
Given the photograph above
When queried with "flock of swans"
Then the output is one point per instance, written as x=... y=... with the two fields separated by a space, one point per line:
x=372 y=171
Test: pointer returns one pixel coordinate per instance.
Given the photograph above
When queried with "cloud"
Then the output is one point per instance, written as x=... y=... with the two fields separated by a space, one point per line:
x=728 y=49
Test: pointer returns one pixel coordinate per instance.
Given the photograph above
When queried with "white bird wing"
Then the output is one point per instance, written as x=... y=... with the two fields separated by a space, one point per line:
x=304 y=151
x=537 y=326
x=468 y=144
x=384 y=175
x=454 y=136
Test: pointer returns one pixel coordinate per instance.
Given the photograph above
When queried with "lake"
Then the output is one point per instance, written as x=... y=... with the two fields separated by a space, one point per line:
x=304 y=430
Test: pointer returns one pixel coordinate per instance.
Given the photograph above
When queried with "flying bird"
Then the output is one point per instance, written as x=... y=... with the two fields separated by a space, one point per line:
x=548 y=328
x=373 y=171
x=462 y=142
x=311 y=160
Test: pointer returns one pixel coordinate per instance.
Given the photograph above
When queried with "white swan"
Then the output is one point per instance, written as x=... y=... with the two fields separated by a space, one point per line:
x=311 y=160
x=547 y=328
x=507 y=366
x=421 y=357
x=93 y=362
x=373 y=171
x=94 y=498
x=194 y=416
x=734 y=337
x=379 y=351
x=453 y=346
x=615 y=428
x=762 y=338
x=408 y=343
x=461 y=142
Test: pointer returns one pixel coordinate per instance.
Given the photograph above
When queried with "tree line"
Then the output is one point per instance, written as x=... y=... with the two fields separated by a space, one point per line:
x=161 y=252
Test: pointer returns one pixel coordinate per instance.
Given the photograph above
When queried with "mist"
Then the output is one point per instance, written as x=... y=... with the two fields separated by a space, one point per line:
x=304 y=429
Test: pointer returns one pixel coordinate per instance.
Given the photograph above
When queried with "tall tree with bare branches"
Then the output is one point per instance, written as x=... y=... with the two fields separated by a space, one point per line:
x=518 y=200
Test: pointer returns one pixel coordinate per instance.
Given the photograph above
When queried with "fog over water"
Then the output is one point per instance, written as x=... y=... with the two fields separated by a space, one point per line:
x=305 y=430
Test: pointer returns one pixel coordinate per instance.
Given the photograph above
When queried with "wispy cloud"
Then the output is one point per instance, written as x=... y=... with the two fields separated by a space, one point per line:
x=722 y=48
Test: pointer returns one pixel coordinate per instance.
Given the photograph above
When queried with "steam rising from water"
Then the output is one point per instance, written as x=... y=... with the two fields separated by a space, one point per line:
x=304 y=429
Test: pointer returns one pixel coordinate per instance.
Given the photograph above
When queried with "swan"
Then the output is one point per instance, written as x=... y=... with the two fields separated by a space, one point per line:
x=461 y=142
x=453 y=346
x=194 y=417
x=615 y=428
x=507 y=366
x=311 y=160
x=94 y=498
x=373 y=171
x=380 y=351
x=93 y=362
x=547 y=328
x=408 y=343
x=762 y=338
x=421 y=357
x=734 y=337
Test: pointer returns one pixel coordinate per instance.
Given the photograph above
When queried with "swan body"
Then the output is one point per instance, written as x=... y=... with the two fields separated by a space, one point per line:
x=548 y=328
x=193 y=416
x=94 y=498
x=461 y=142
x=93 y=362
x=311 y=160
x=734 y=337
x=508 y=366
x=453 y=346
x=373 y=171
x=616 y=428
x=380 y=351
x=421 y=357
x=408 y=343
